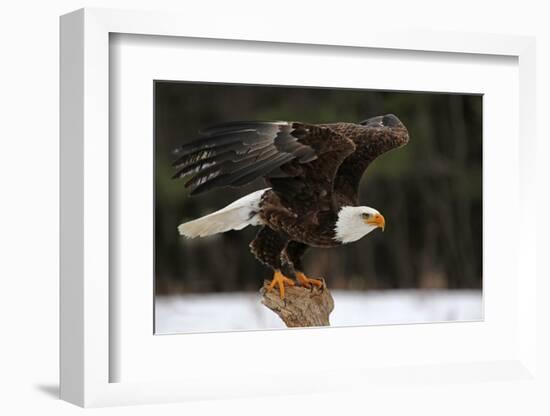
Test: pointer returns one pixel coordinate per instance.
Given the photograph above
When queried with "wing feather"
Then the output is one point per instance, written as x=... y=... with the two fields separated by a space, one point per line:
x=236 y=153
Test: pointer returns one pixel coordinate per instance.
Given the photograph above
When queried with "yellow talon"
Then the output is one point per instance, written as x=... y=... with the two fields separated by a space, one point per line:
x=307 y=282
x=280 y=280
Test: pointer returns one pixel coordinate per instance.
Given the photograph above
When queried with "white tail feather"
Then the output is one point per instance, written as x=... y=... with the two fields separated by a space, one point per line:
x=235 y=216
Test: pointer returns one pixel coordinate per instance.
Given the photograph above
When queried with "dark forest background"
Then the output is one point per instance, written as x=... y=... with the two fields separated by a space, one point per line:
x=429 y=191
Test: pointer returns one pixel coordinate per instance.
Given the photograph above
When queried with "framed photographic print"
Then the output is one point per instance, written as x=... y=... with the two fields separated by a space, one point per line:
x=225 y=197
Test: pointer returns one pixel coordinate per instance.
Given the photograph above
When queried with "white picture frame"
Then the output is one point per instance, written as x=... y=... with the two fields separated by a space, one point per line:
x=87 y=302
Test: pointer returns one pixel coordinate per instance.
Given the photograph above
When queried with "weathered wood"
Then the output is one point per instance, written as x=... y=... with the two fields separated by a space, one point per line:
x=301 y=306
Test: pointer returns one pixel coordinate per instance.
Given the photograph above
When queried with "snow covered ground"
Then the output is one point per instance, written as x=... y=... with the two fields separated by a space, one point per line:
x=243 y=311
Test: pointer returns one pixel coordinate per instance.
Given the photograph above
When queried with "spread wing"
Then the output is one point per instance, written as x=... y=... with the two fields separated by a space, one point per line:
x=292 y=157
x=372 y=138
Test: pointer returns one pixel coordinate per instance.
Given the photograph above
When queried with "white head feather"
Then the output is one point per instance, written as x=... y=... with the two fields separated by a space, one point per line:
x=356 y=222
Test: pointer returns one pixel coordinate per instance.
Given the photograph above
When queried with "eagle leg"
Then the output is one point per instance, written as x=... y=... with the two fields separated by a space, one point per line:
x=280 y=280
x=307 y=281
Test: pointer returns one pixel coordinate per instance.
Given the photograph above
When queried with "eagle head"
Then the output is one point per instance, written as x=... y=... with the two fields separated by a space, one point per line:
x=354 y=223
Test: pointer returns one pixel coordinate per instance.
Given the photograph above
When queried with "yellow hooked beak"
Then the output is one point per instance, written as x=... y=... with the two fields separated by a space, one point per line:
x=377 y=220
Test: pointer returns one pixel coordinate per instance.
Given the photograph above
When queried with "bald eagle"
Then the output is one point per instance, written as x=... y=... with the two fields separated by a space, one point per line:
x=313 y=173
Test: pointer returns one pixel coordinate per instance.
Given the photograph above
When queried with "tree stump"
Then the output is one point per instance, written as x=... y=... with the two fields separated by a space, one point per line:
x=301 y=306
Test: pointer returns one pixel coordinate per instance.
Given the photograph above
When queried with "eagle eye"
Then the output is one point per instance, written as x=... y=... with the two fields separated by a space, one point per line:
x=366 y=215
